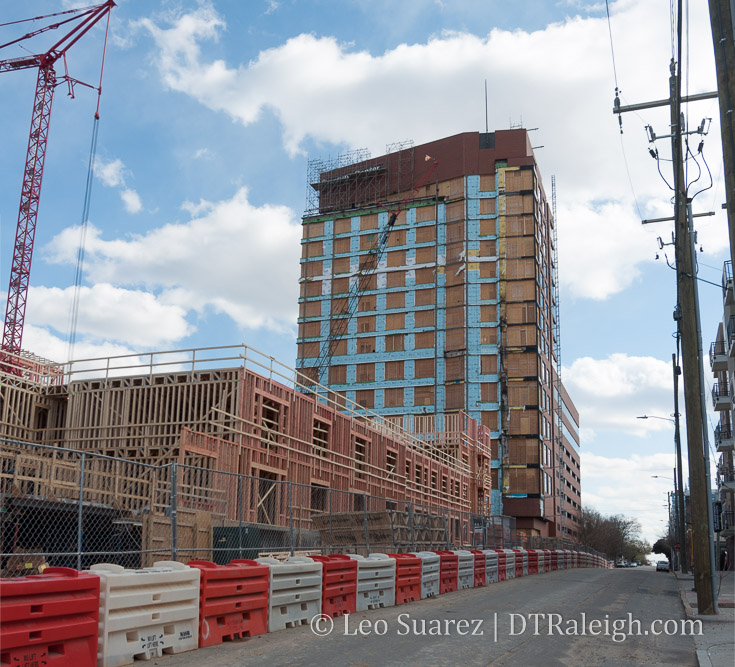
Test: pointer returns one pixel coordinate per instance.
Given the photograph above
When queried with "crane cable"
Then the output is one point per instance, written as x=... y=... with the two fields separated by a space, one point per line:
x=79 y=269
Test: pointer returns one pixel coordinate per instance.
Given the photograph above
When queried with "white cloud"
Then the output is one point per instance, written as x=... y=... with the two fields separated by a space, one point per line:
x=110 y=172
x=273 y=5
x=132 y=202
x=625 y=486
x=232 y=257
x=108 y=313
x=610 y=393
x=559 y=79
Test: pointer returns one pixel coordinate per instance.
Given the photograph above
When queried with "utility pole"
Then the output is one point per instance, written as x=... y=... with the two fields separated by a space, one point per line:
x=683 y=560
x=687 y=317
x=723 y=38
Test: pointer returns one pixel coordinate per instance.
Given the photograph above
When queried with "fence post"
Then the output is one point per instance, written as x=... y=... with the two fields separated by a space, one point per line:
x=174 y=511
x=290 y=517
x=239 y=515
x=367 y=537
x=410 y=525
x=80 y=505
x=446 y=529
x=331 y=537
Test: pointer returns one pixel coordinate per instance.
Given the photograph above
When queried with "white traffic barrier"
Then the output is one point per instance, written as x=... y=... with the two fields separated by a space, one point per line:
x=430 y=564
x=465 y=569
x=491 y=566
x=561 y=559
x=376 y=581
x=541 y=557
x=294 y=591
x=146 y=613
x=522 y=555
x=510 y=563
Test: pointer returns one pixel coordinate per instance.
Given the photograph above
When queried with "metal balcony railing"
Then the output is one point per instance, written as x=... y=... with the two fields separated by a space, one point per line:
x=717 y=349
x=727 y=519
x=727 y=473
x=731 y=329
x=726 y=278
x=722 y=432
x=719 y=392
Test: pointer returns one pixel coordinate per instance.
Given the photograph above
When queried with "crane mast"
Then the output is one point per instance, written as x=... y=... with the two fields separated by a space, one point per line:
x=46 y=83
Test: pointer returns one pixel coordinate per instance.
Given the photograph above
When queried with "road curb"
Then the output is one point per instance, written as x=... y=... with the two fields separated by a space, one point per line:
x=703 y=658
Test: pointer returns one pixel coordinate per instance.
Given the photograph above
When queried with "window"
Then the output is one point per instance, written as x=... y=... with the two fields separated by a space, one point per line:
x=395 y=321
x=365 y=398
x=394 y=370
x=393 y=397
x=338 y=374
x=320 y=437
x=365 y=345
x=423 y=340
x=394 y=342
x=423 y=368
x=365 y=372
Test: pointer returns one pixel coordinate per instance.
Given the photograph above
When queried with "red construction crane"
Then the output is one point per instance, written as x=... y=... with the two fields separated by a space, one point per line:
x=32 y=176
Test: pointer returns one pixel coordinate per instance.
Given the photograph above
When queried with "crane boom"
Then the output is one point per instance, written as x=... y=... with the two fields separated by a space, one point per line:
x=46 y=82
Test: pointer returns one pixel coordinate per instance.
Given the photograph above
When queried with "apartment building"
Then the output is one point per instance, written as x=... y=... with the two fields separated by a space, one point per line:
x=722 y=363
x=429 y=288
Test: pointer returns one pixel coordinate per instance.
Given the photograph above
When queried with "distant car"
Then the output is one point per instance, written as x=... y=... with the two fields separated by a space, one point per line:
x=662 y=566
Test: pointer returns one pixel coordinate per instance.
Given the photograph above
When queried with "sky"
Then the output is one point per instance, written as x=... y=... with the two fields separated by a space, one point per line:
x=211 y=109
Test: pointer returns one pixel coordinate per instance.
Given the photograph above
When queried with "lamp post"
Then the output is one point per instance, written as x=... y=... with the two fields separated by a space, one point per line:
x=683 y=567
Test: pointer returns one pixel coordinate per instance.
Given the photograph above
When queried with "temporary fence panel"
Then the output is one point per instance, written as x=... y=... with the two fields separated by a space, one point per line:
x=430 y=565
x=480 y=578
x=448 y=571
x=408 y=578
x=233 y=600
x=376 y=581
x=492 y=568
x=465 y=569
x=295 y=593
x=146 y=613
x=521 y=562
x=339 y=584
x=50 y=619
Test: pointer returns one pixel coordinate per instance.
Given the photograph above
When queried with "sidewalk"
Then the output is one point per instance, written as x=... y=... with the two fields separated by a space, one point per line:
x=716 y=645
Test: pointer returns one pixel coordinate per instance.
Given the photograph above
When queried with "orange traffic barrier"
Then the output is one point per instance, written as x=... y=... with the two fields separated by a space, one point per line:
x=408 y=578
x=233 y=600
x=50 y=619
x=339 y=584
x=448 y=571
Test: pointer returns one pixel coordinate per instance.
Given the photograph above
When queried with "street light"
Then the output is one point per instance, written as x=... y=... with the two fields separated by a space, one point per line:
x=662 y=477
x=679 y=492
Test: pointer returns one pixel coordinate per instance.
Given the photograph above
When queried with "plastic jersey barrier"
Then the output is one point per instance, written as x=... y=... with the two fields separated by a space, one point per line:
x=492 y=575
x=521 y=562
x=408 y=578
x=502 y=571
x=376 y=581
x=146 y=613
x=339 y=584
x=479 y=574
x=447 y=571
x=430 y=566
x=233 y=600
x=465 y=569
x=533 y=557
x=295 y=592
x=50 y=619
x=510 y=563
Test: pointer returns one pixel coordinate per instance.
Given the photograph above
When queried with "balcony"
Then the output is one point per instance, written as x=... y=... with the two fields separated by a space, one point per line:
x=723 y=438
x=718 y=356
x=731 y=334
x=727 y=477
x=727 y=286
x=727 y=520
x=720 y=396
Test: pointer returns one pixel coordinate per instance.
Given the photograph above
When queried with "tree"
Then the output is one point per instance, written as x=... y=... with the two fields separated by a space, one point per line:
x=615 y=535
x=662 y=546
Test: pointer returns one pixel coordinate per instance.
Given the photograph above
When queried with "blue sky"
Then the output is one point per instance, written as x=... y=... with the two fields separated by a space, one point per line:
x=211 y=109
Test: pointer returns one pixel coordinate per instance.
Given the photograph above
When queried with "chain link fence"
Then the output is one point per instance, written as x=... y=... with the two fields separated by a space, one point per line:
x=65 y=507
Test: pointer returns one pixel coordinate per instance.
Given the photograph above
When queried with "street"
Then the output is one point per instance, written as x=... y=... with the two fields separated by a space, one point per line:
x=568 y=617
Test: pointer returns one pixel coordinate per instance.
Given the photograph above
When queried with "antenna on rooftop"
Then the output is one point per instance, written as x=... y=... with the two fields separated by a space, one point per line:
x=487 y=129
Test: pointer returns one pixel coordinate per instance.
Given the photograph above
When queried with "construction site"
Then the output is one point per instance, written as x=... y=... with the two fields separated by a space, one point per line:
x=426 y=411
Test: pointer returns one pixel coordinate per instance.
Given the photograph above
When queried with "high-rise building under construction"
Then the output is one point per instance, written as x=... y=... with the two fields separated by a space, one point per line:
x=429 y=288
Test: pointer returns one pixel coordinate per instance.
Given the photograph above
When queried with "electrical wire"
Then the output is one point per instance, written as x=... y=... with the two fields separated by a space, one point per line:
x=630 y=178
x=711 y=183
x=612 y=50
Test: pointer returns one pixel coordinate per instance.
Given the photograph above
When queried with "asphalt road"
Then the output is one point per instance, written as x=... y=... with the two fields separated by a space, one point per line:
x=494 y=625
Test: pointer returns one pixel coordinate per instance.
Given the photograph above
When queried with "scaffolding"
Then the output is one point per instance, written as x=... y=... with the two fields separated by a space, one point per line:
x=353 y=179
